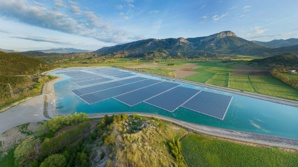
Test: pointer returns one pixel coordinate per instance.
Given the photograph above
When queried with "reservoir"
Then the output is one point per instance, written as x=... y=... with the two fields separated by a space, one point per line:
x=245 y=113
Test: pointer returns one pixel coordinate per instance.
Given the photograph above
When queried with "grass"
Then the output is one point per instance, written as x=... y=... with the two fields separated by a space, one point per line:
x=240 y=82
x=158 y=71
x=8 y=160
x=266 y=85
x=148 y=146
x=217 y=73
x=212 y=72
x=271 y=86
x=205 y=151
x=219 y=79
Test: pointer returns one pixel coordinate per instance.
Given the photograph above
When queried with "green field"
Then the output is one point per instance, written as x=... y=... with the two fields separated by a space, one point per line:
x=212 y=72
x=205 y=151
x=219 y=79
x=240 y=82
x=221 y=74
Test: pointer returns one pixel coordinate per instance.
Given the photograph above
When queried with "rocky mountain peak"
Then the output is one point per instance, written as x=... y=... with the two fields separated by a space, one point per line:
x=182 y=40
x=226 y=34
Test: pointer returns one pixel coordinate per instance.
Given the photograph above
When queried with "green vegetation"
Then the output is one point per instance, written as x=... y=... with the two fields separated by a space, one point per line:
x=205 y=151
x=219 y=79
x=8 y=160
x=25 y=65
x=14 y=88
x=123 y=140
x=23 y=81
x=212 y=72
x=58 y=141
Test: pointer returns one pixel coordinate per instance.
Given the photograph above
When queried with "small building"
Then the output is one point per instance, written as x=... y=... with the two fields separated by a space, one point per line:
x=292 y=71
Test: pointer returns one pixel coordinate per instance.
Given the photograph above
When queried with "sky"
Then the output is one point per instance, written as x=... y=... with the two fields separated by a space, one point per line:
x=93 y=24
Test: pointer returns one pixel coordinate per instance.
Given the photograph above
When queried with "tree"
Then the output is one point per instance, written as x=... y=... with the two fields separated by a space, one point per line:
x=55 y=160
x=26 y=152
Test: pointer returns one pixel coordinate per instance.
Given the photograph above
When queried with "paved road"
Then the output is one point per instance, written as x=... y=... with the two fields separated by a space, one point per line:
x=28 y=111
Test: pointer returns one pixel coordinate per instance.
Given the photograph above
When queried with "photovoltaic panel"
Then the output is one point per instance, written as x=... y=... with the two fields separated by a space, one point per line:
x=139 y=96
x=124 y=75
x=211 y=104
x=104 y=86
x=172 y=99
x=95 y=81
x=109 y=93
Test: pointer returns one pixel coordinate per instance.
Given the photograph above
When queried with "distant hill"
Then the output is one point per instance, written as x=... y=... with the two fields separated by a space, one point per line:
x=63 y=50
x=6 y=50
x=225 y=42
x=17 y=64
x=289 y=59
x=277 y=43
x=37 y=53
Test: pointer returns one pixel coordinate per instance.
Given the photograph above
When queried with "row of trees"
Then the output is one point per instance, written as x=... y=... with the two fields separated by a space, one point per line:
x=292 y=82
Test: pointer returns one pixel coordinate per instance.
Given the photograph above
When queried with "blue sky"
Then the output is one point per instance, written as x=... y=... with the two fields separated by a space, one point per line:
x=92 y=24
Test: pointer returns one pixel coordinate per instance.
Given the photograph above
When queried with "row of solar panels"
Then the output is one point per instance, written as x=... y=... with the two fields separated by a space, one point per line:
x=165 y=95
x=82 y=78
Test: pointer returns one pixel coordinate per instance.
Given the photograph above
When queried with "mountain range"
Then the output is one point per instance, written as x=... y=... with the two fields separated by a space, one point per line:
x=63 y=50
x=222 y=43
x=279 y=43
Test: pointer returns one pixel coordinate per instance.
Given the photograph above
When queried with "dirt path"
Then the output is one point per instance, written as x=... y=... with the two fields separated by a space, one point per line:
x=249 y=70
x=26 y=112
x=185 y=70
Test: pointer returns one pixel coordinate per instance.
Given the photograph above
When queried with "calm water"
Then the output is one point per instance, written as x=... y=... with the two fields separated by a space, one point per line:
x=245 y=113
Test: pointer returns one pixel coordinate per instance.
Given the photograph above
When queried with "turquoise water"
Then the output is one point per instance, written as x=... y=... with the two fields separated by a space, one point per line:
x=245 y=113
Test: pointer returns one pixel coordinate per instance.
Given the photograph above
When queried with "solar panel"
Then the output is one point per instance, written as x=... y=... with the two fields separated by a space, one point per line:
x=211 y=104
x=104 y=86
x=124 y=75
x=172 y=99
x=95 y=81
x=109 y=93
x=141 y=95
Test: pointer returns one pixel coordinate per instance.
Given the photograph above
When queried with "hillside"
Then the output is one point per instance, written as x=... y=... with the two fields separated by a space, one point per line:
x=25 y=65
x=123 y=140
x=63 y=50
x=285 y=60
x=37 y=53
x=277 y=43
x=19 y=77
x=221 y=43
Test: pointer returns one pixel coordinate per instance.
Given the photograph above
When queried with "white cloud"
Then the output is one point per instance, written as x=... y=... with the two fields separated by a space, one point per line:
x=219 y=17
x=131 y=5
x=259 y=30
x=74 y=8
x=59 y=3
x=246 y=8
x=129 y=1
x=119 y=6
x=154 y=12
x=204 y=17
x=88 y=24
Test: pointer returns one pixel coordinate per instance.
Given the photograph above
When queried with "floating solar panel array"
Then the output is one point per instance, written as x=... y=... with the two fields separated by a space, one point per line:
x=131 y=91
x=211 y=104
x=109 y=93
x=114 y=72
x=172 y=99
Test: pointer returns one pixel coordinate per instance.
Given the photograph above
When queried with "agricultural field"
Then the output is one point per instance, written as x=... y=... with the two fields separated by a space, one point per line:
x=236 y=74
x=200 y=150
x=240 y=82
x=219 y=79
